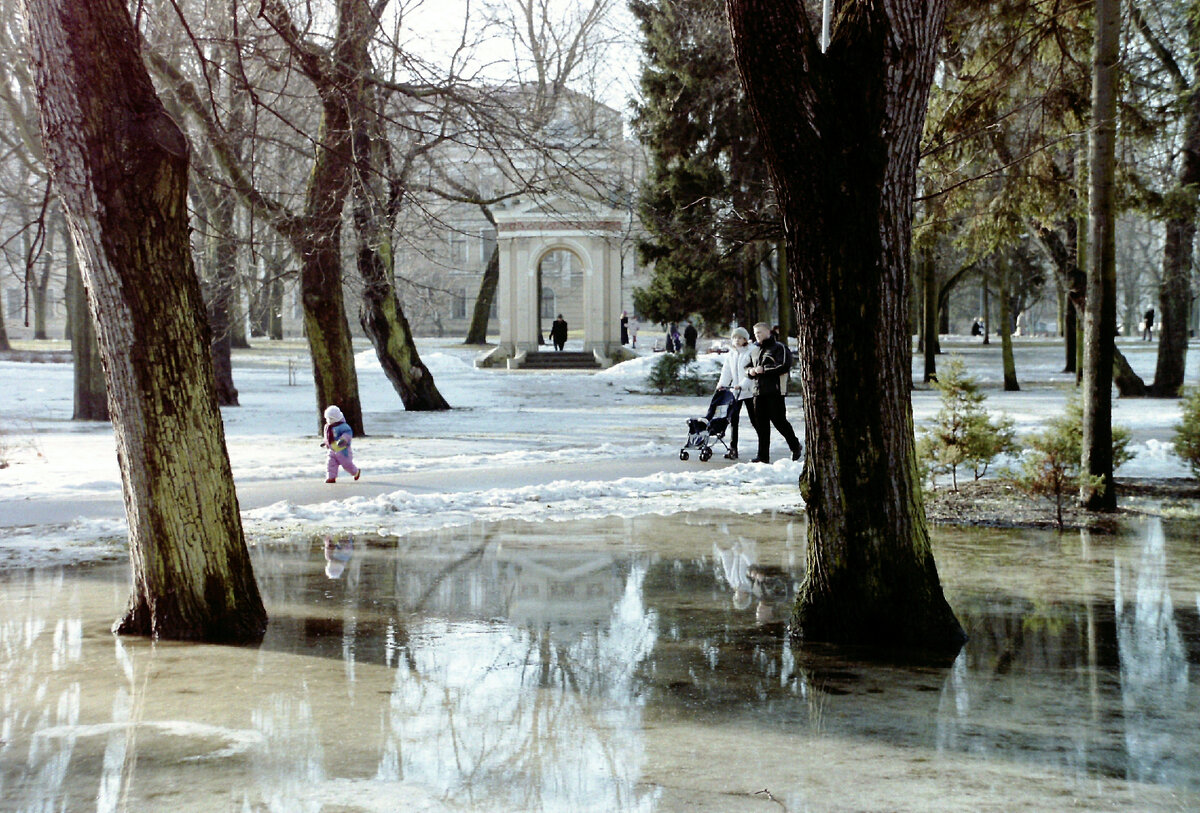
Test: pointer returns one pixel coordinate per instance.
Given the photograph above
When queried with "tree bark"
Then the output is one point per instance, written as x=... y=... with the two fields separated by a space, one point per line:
x=91 y=394
x=1098 y=492
x=840 y=133
x=120 y=165
x=1006 y=326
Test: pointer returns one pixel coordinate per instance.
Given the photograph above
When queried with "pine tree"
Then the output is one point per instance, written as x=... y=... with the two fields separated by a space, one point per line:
x=962 y=433
x=1187 y=432
x=705 y=202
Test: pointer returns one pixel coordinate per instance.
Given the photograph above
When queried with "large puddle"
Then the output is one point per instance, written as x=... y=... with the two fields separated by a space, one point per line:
x=614 y=665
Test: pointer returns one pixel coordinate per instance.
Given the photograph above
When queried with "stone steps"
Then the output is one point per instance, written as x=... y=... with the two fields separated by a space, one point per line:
x=566 y=360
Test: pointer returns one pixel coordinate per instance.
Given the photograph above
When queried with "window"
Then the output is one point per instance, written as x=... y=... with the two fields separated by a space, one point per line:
x=458 y=249
x=458 y=308
x=548 y=303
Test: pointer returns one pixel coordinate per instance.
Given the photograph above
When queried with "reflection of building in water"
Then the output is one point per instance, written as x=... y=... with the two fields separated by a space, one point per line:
x=545 y=589
x=1154 y=667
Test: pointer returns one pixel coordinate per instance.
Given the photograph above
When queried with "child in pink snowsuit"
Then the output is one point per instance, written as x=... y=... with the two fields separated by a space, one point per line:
x=338 y=435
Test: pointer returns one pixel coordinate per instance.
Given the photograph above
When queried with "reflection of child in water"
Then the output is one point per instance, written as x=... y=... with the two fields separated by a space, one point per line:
x=337 y=554
x=736 y=563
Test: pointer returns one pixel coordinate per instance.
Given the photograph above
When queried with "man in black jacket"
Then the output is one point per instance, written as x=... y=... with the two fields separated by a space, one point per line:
x=558 y=332
x=768 y=364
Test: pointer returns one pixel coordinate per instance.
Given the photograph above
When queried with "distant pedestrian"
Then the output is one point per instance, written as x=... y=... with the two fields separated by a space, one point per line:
x=690 y=334
x=674 y=343
x=976 y=328
x=768 y=364
x=558 y=332
x=633 y=331
x=1148 y=325
x=338 y=436
x=624 y=328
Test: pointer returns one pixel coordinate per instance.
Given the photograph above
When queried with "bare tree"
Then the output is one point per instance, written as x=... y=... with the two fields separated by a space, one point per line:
x=119 y=163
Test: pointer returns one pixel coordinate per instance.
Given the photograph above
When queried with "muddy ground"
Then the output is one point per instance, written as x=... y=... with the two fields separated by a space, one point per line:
x=999 y=504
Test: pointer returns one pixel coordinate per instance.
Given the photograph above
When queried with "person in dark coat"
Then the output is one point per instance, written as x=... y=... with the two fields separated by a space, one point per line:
x=674 y=343
x=624 y=328
x=1148 y=327
x=558 y=332
x=768 y=364
x=689 y=336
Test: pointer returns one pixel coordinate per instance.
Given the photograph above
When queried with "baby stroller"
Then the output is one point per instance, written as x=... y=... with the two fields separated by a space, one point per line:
x=706 y=432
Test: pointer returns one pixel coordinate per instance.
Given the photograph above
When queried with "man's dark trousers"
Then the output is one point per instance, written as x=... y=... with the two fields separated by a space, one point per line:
x=769 y=409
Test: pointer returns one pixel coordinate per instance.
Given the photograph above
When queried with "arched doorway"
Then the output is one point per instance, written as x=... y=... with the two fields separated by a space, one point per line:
x=560 y=283
x=549 y=254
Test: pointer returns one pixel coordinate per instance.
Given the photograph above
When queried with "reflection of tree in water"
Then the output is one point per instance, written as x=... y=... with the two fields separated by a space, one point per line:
x=513 y=672
x=1041 y=678
x=1154 y=668
x=33 y=648
x=541 y=715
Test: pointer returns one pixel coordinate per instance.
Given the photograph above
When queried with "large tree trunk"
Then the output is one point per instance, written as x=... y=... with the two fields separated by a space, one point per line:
x=120 y=164
x=1006 y=324
x=1098 y=491
x=840 y=132
x=325 y=324
x=317 y=241
x=91 y=394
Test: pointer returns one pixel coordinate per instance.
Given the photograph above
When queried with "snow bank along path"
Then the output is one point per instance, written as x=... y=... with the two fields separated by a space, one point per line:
x=552 y=446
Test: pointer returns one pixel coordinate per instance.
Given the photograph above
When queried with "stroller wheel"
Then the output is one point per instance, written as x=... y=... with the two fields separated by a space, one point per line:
x=705 y=454
x=683 y=455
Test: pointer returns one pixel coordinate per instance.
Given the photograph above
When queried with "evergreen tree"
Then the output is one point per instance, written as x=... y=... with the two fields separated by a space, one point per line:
x=705 y=203
x=962 y=433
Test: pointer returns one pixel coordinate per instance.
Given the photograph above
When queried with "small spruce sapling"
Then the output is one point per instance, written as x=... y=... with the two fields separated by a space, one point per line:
x=962 y=433
x=674 y=374
x=1187 y=432
x=1052 y=468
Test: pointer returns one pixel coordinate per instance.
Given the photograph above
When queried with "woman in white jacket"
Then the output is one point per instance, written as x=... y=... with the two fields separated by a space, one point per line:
x=733 y=376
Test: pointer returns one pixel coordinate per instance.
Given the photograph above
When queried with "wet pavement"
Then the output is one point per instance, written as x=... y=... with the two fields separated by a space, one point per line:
x=613 y=665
